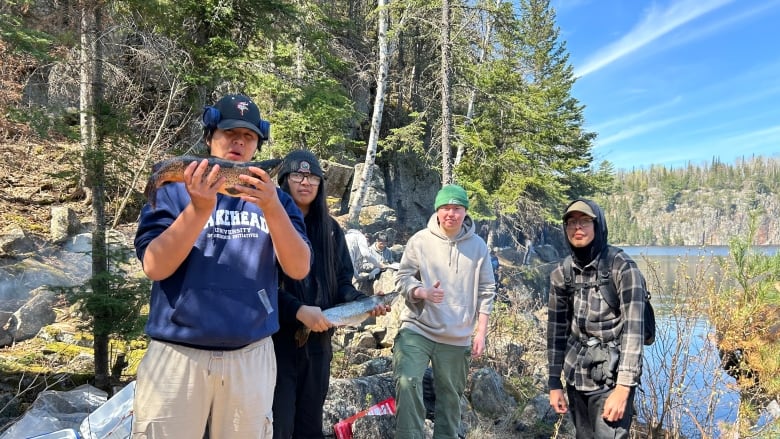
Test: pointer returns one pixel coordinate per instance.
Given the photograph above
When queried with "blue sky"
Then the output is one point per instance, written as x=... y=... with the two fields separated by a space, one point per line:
x=670 y=82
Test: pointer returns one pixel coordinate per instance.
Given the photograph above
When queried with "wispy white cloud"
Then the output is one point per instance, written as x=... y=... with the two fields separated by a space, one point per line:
x=763 y=141
x=766 y=136
x=626 y=127
x=760 y=142
x=707 y=85
x=727 y=21
x=655 y=24
x=566 y=5
x=640 y=115
x=636 y=130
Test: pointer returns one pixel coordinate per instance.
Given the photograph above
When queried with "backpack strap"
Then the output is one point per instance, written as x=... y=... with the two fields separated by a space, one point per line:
x=568 y=286
x=568 y=275
x=607 y=286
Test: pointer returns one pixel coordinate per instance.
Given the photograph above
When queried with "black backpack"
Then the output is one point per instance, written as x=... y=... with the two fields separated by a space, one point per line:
x=606 y=286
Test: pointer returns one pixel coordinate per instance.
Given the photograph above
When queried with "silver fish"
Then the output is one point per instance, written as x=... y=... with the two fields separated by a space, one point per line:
x=349 y=314
x=355 y=312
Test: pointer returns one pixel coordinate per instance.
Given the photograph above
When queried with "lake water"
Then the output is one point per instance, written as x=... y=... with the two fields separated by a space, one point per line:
x=683 y=366
x=711 y=250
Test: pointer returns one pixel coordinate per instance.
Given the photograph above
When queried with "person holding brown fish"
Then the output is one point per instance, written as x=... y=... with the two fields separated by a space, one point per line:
x=213 y=258
x=303 y=343
x=446 y=279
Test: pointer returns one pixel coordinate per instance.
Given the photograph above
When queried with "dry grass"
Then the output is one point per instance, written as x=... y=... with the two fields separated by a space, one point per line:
x=33 y=178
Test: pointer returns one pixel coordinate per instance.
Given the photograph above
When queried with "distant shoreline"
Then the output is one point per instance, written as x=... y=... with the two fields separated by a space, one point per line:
x=690 y=250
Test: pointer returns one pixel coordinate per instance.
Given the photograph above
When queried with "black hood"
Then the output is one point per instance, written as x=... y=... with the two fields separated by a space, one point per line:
x=583 y=256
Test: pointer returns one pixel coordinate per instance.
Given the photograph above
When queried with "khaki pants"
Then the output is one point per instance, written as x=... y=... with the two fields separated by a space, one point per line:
x=179 y=389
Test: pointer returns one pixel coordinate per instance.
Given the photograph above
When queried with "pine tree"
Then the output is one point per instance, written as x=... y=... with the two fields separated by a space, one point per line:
x=530 y=152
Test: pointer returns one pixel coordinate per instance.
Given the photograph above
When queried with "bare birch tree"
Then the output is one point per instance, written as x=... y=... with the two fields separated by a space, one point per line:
x=383 y=68
x=88 y=63
x=446 y=110
x=483 y=53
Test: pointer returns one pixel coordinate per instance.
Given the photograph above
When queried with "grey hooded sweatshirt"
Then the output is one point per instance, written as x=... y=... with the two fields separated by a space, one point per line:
x=466 y=274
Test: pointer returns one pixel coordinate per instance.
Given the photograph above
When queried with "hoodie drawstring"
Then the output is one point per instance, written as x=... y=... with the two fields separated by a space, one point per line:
x=217 y=355
x=454 y=248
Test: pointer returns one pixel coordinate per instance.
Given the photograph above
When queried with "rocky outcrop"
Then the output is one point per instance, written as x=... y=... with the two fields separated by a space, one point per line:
x=33 y=271
x=64 y=223
x=488 y=396
x=349 y=396
x=400 y=194
x=15 y=241
x=696 y=218
x=25 y=322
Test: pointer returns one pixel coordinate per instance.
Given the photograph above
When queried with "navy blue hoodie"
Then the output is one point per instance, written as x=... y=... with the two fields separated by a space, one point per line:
x=224 y=295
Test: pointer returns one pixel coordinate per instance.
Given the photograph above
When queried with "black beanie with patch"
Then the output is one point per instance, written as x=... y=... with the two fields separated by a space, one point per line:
x=300 y=161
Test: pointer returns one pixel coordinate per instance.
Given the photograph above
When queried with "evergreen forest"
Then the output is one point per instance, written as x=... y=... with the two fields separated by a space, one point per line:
x=475 y=92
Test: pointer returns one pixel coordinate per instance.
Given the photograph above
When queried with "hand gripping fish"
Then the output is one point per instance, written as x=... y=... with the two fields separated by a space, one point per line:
x=172 y=170
x=349 y=314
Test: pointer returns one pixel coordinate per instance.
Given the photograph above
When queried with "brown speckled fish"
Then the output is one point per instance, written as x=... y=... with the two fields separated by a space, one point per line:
x=172 y=170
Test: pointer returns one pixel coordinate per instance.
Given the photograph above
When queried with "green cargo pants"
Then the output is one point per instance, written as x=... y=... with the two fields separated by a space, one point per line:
x=411 y=354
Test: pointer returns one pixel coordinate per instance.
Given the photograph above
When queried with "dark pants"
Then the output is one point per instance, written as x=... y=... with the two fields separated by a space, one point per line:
x=301 y=387
x=586 y=411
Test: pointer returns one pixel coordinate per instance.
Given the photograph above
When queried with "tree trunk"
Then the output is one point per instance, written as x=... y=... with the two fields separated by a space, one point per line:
x=93 y=161
x=299 y=63
x=446 y=111
x=483 y=52
x=88 y=62
x=376 y=120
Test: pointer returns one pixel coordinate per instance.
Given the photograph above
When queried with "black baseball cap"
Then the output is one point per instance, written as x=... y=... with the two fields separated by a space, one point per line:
x=238 y=111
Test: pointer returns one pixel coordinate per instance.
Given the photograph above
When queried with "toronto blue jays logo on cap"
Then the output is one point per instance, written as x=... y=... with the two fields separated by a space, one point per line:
x=304 y=166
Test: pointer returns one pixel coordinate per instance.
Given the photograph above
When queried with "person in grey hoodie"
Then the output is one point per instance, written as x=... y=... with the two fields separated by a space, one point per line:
x=446 y=279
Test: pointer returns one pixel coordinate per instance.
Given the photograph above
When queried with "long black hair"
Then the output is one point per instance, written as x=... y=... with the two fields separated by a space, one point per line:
x=319 y=229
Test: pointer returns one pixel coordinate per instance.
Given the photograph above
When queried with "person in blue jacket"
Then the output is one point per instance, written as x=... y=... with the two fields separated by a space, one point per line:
x=302 y=345
x=213 y=307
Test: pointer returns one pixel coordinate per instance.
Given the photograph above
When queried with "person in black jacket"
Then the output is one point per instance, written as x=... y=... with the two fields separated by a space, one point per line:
x=302 y=345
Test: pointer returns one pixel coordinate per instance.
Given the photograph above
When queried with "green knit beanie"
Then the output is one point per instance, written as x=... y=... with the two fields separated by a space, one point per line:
x=451 y=194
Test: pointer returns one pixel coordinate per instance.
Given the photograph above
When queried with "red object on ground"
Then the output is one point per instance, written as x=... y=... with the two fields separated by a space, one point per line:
x=343 y=429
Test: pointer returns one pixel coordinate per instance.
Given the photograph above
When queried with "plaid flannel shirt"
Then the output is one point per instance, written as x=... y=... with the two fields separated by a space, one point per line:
x=570 y=320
